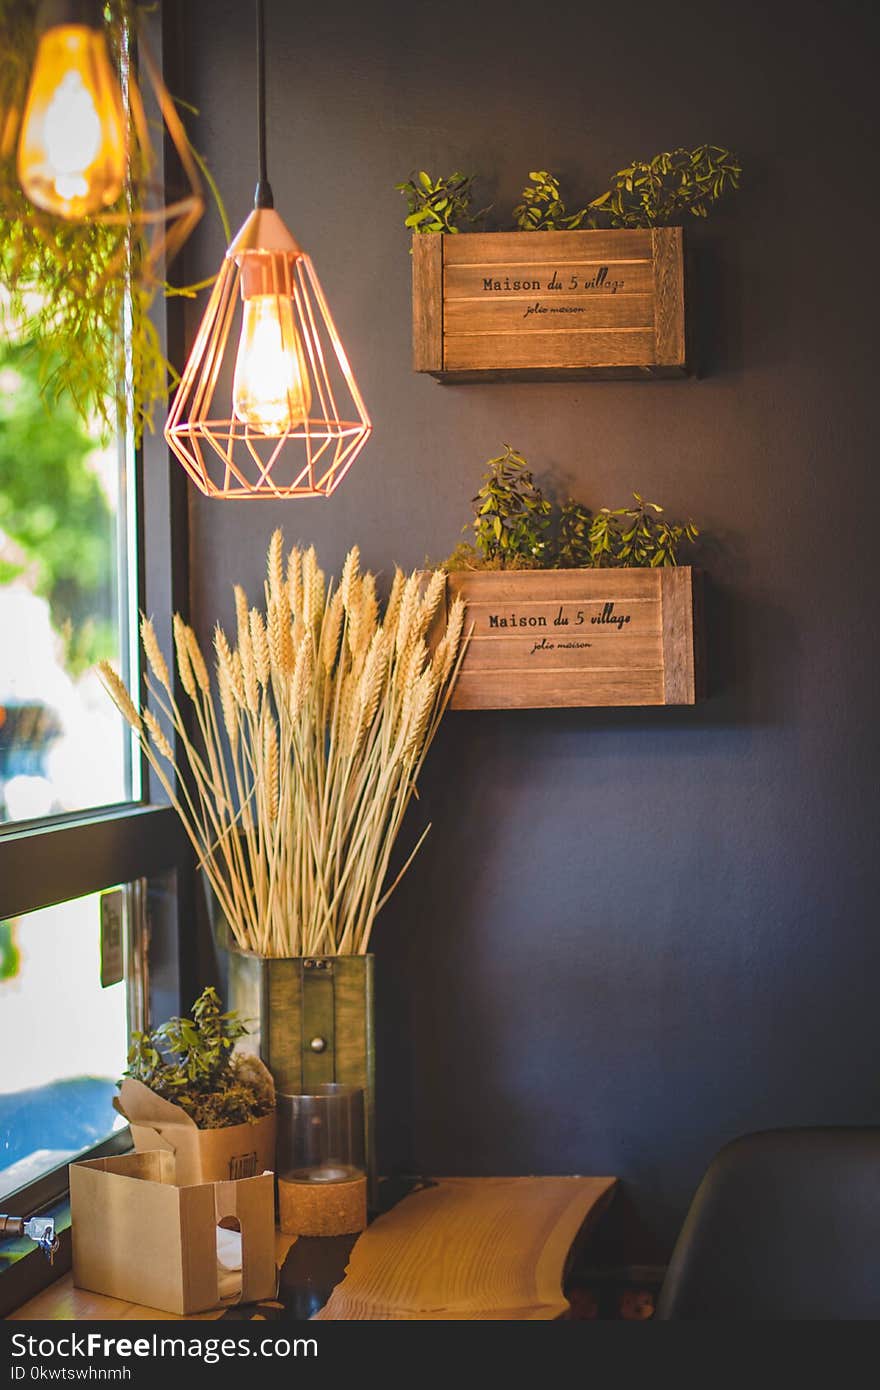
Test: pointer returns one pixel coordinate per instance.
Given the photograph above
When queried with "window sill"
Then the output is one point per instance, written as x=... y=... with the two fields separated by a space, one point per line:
x=87 y=855
x=24 y=1270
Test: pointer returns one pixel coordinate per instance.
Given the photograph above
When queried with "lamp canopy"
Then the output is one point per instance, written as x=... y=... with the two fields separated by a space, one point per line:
x=285 y=418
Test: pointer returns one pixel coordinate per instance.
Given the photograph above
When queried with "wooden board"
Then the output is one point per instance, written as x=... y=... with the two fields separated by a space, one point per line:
x=545 y=304
x=470 y=1249
x=549 y=638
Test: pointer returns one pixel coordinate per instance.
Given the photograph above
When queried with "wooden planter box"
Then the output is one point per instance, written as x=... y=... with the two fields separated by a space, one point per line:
x=497 y=306
x=547 y=638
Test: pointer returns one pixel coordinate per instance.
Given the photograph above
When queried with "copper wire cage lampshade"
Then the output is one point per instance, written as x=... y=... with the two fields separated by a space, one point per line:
x=272 y=410
x=298 y=421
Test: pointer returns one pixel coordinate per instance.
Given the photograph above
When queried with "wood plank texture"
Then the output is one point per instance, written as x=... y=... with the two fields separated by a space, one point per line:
x=566 y=638
x=427 y=284
x=526 y=305
x=562 y=653
x=522 y=313
x=553 y=586
x=557 y=689
x=468 y=281
x=622 y=347
x=680 y=682
x=669 y=316
x=527 y=248
x=470 y=1249
x=480 y=376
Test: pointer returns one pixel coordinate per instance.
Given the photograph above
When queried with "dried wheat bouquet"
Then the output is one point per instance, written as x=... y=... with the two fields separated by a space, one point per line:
x=293 y=776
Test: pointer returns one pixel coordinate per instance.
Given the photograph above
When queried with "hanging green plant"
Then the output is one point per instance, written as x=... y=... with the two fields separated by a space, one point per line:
x=77 y=295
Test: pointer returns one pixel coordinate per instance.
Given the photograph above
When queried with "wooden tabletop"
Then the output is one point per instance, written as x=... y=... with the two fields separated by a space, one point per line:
x=62 y=1301
x=461 y=1249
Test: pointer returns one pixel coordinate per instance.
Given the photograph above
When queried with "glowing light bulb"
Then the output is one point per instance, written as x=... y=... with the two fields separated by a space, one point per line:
x=71 y=153
x=270 y=389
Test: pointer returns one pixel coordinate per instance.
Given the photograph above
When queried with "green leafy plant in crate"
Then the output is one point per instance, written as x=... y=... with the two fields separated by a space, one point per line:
x=572 y=550
x=439 y=205
x=637 y=536
x=668 y=188
x=542 y=208
x=511 y=519
x=516 y=527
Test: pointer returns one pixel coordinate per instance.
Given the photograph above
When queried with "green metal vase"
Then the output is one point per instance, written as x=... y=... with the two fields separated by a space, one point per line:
x=311 y=1020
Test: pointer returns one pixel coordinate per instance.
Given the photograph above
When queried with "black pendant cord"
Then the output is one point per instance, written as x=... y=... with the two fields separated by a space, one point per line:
x=263 y=195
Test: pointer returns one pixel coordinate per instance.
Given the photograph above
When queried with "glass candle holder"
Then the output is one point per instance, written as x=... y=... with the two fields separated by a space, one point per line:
x=322 y=1181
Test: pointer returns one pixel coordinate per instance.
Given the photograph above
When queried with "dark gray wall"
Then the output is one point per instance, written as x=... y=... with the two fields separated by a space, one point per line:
x=631 y=935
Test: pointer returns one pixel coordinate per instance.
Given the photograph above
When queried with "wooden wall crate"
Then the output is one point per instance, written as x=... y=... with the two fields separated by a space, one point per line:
x=549 y=305
x=547 y=638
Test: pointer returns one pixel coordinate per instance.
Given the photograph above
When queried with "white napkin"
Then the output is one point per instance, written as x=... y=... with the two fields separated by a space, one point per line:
x=228 y=1263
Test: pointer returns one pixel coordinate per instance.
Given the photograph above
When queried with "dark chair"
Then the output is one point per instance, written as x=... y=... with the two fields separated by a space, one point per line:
x=784 y=1226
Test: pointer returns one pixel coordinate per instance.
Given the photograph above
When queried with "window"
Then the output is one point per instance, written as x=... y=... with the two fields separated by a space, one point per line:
x=88 y=536
x=70 y=986
x=67 y=585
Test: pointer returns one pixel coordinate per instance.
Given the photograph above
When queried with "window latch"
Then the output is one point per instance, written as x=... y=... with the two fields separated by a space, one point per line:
x=39 y=1229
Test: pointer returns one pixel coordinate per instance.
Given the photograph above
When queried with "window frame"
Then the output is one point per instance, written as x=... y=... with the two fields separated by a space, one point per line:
x=44 y=863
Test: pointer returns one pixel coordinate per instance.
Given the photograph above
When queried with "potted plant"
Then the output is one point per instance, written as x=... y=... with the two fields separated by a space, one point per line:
x=599 y=293
x=573 y=608
x=308 y=740
x=187 y=1089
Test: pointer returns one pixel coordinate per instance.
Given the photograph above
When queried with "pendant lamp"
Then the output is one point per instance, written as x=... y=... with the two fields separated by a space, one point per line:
x=84 y=149
x=72 y=150
x=267 y=405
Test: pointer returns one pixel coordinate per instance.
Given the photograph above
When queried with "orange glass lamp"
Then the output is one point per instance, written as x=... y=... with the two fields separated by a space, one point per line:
x=84 y=148
x=72 y=149
x=268 y=351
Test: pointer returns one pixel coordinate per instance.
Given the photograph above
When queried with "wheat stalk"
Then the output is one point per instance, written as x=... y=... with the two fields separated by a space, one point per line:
x=295 y=771
x=153 y=652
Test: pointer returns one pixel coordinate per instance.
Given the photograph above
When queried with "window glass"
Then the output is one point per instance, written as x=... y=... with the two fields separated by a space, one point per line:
x=63 y=1034
x=66 y=601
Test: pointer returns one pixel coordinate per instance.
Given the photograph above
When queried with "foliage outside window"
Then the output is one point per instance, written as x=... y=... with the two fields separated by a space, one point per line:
x=65 y=585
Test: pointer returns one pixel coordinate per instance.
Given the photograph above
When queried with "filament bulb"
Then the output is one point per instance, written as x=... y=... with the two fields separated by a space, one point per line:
x=270 y=390
x=71 y=152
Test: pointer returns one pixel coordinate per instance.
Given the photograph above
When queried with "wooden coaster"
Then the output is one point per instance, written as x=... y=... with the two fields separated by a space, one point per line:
x=322 y=1208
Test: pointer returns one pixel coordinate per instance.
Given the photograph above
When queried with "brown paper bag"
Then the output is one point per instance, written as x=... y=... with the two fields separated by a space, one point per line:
x=202 y=1155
